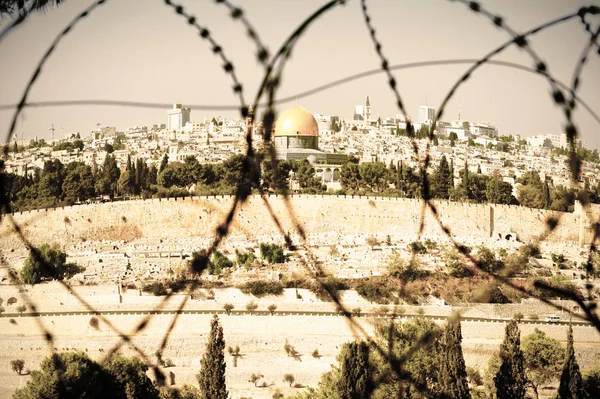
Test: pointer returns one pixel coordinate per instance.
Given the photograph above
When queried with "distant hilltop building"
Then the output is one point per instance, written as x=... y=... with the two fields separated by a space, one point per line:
x=363 y=112
x=177 y=117
x=426 y=114
x=551 y=141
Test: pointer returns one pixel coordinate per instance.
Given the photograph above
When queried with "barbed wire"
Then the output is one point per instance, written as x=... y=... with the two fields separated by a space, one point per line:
x=274 y=68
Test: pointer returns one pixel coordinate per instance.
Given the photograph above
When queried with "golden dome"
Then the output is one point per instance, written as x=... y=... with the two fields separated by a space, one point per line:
x=296 y=121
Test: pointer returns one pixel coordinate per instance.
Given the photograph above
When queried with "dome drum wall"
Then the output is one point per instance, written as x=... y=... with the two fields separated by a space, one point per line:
x=287 y=142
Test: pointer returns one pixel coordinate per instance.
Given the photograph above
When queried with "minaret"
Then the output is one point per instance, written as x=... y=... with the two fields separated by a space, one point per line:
x=368 y=110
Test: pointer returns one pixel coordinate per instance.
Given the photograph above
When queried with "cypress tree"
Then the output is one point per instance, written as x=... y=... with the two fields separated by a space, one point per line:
x=451 y=182
x=128 y=166
x=441 y=180
x=163 y=163
x=212 y=373
x=479 y=169
x=466 y=175
x=453 y=373
x=510 y=379
x=571 y=383
x=400 y=177
x=546 y=195
x=353 y=382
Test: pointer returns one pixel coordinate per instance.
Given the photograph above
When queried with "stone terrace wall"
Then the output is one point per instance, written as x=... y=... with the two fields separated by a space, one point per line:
x=333 y=215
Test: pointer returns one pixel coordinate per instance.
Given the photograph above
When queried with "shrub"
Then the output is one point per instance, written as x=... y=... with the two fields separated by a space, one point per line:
x=327 y=287
x=220 y=262
x=416 y=247
x=316 y=354
x=255 y=377
x=290 y=350
x=559 y=282
x=372 y=241
x=515 y=264
x=486 y=259
x=356 y=312
x=17 y=365
x=474 y=376
x=21 y=308
x=245 y=259
x=260 y=288
x=157 y=289
x=559 y=260
x=251 y=306
x=534 y=316
x=456 y=267
x=518 y=316
x=228 y=307
x=44 y=261
x=430 y=244
x=289 y=378
x=375 y=291
x=272 y=309
x=497 y=296
x=531 y=251
x=410 y=271
x=272 y=253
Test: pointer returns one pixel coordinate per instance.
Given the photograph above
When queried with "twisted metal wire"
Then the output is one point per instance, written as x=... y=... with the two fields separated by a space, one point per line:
x=269 y=86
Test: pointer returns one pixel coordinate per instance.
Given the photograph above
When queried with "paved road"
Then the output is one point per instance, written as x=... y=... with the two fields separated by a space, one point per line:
x=275 y=313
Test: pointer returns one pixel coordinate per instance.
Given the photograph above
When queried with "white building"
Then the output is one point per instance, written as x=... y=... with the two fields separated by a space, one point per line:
x=426 y=114
x=483 y=129
x=551 y=140
x=359 y=113
x=177 y=117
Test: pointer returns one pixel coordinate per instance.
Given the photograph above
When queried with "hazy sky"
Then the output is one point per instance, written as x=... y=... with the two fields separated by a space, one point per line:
x=140 y=50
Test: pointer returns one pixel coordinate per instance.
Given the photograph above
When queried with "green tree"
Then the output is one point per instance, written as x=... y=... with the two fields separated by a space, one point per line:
x=174 y=174
x=163 y=163
x=453 y=373
x=109 y=176
x=350 y=176
x=78 y=182
x=305 y=174
x=289 y=378
x=66 y=375
x=491 y=370
x=530 y=192
x=128 y=378
x=126 y=183
x=44 y=261
x=185 y=392
x=441 y=181
x=571 y=382
x=272 y=253
x=51 y=180
x=373 y=175
x=591 y=382
x=354 y=375
x=543 y=358
x=510 y=380
x=498 y=191
x=17 y=365
x=418 y=341
x=212 y=373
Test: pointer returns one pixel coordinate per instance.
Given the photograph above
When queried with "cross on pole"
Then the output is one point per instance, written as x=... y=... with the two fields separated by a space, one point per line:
x=52 y=129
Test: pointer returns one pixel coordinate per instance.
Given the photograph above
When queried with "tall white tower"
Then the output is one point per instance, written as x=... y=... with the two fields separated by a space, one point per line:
x=177 y=117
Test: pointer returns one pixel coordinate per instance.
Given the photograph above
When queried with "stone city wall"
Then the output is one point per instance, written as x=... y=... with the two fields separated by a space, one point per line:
x=337 y=216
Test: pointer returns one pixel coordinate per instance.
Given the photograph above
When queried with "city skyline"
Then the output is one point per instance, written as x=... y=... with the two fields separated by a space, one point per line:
x=92 y=63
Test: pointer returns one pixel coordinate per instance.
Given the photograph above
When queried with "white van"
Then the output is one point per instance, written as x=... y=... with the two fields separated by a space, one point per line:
x=552 y=319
